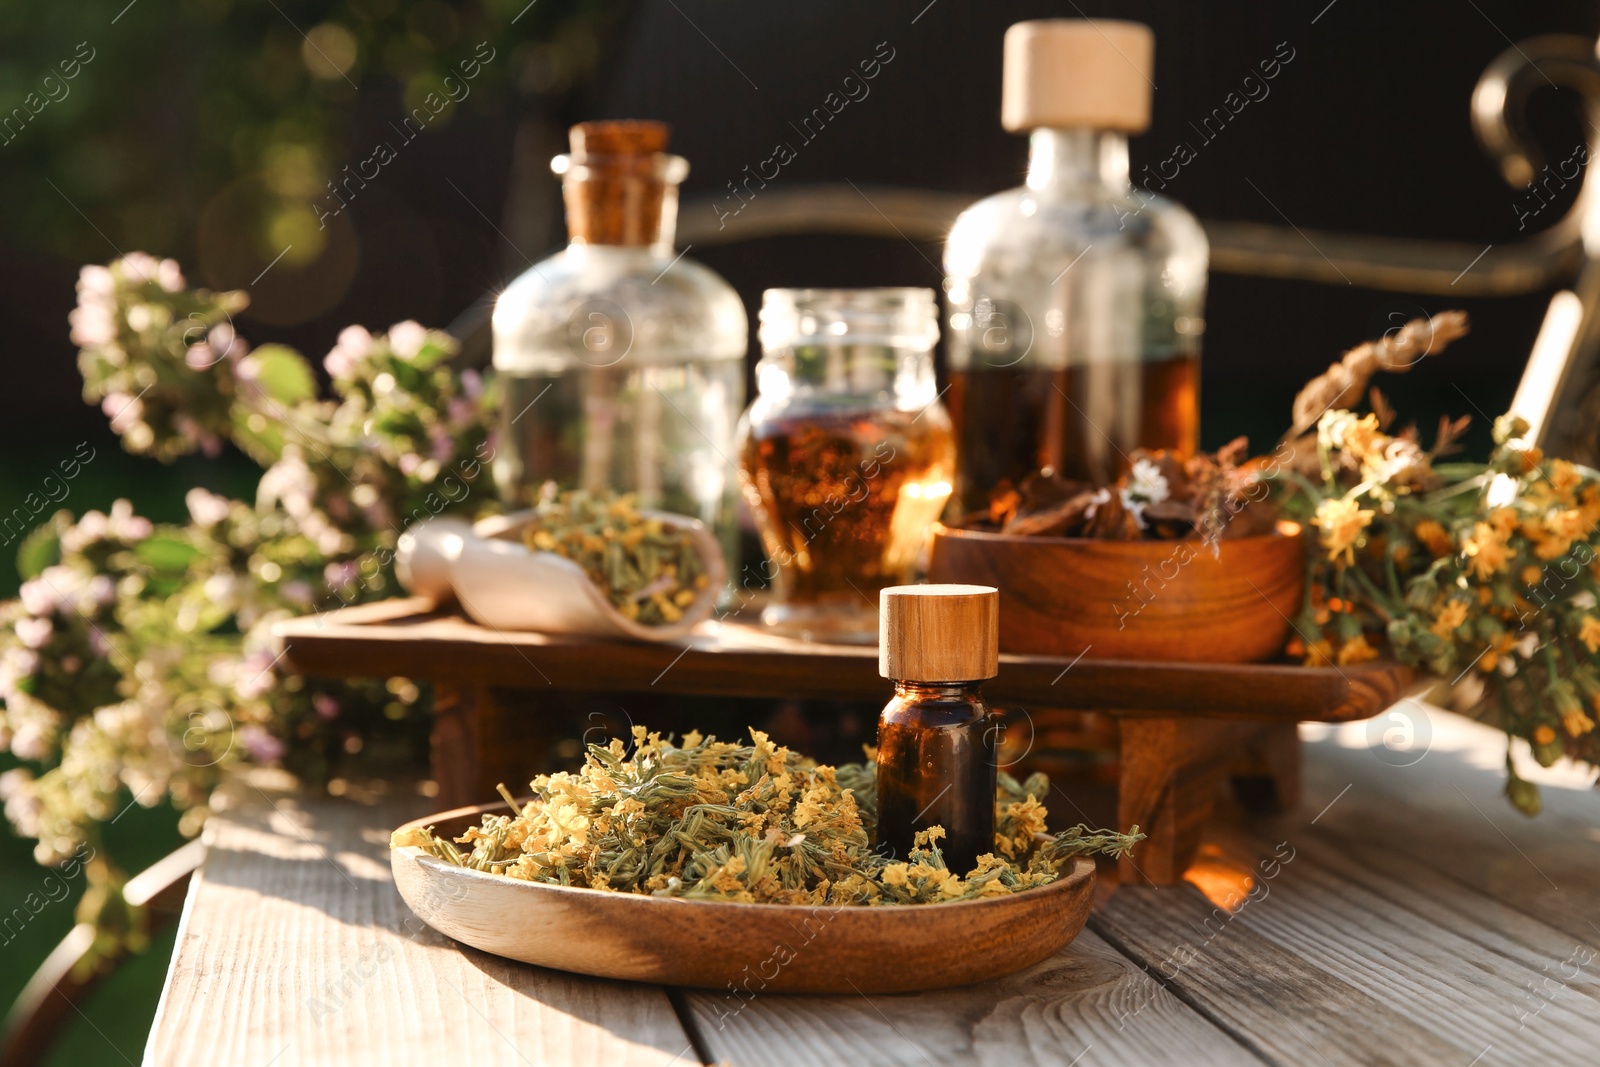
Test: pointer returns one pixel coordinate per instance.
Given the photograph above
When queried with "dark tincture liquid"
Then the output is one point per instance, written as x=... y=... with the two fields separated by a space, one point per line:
x=844 y=499
x=936 y=767
x=1079 y=422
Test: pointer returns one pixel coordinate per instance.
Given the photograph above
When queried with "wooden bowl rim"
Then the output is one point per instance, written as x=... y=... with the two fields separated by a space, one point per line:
x=1080 y=877
x=1283 y=530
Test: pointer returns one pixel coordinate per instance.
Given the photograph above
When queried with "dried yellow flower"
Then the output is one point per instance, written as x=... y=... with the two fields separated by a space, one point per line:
x=1449 y=619
x=1319 y=654
x=1341 y=520
x=1485 y=551
x=1576 y=722
x=1356 y=650
x=1589 y=633
x=1363 y=440
x=1504 y=522
x=1434 y=538
x=1548 y=543
x=1564 y=479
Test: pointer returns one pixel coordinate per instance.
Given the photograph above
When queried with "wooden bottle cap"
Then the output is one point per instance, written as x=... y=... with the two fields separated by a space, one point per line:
x=939 y=633
x=1075 y=73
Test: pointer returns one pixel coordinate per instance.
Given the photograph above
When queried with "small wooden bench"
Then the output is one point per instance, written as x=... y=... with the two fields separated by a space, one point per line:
x=1184 y=726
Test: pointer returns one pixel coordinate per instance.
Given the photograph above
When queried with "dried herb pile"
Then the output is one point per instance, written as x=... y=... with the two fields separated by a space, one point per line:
x=1162 y=496
x=649 y=571
x=711 y=820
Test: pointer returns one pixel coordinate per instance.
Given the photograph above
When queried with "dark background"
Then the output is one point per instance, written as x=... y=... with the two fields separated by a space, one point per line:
x=1366 y=130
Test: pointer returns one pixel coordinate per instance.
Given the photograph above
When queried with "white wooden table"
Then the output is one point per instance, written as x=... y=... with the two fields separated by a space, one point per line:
x=1404 y=915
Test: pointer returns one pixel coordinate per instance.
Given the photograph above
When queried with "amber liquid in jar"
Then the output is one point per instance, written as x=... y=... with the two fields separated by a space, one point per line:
x=843 y=500
x=1079 y=422
x=936 y=767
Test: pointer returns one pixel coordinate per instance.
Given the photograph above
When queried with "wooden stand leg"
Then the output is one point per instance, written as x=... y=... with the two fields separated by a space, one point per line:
x=454 y=748
x=483 y=736
x=1266 y=779
x=1171 y=769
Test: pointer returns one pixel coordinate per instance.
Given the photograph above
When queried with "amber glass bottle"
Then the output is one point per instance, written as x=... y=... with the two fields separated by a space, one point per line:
x=936 y=758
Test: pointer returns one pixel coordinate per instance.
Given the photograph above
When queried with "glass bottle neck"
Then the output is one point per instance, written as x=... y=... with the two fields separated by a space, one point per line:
x=650 y=226
x=917 y=691
x=628 y=201
x=1062 y=159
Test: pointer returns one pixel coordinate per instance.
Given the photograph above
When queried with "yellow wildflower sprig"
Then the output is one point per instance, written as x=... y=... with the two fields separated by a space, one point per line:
x=1487 y=575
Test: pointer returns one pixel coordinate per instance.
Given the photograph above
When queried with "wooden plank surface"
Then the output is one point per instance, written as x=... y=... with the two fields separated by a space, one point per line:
x=1447 y=810
x=1088 y=1004
x=1403 y=915
x=1411 y=900
x=1377 y=924
x=296 y=949
x=408 y=637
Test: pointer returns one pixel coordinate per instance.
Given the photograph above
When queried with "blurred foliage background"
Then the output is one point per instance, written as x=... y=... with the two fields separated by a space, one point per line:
x=216 y=131
x=208 y=128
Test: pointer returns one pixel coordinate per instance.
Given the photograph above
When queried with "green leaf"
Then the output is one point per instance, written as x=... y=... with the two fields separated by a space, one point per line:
x=431 y=355
x=410 y=377
x=166 y=552
x=284 y=375
x=1524 y=795
x=265 y=445
x=40 y=549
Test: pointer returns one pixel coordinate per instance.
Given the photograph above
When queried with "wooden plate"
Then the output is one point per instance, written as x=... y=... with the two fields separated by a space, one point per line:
x=749 y=948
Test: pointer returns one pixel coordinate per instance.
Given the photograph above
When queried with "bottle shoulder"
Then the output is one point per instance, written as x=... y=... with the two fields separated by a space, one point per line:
x=1023 y=222
x=668 y=308
x=935 y=711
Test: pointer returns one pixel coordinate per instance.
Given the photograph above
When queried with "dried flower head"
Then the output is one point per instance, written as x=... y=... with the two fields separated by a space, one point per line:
x=1342 y=521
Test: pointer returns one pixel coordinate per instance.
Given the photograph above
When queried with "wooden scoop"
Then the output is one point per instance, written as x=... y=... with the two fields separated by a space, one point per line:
x=505 y=585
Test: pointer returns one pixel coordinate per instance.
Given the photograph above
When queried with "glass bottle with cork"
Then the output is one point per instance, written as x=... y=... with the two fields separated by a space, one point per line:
x=622 y=363
x=1075 y=301
x=936 y=736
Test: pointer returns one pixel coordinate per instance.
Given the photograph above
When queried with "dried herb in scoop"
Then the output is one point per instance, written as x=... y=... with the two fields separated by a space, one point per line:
x=648 y=570
x=712 y=820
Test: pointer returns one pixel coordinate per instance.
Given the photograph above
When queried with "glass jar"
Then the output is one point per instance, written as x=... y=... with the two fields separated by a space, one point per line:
x=1075 y=301
x=846 y=455
x=622 y=363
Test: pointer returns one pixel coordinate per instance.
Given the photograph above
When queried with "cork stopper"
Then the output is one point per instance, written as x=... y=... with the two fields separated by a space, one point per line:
x=939 y=633
x=1077 y=73
x=616 y=180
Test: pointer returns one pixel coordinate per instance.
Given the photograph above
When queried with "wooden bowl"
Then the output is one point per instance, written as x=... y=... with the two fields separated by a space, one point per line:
x=1165 y=600
x=746 y=947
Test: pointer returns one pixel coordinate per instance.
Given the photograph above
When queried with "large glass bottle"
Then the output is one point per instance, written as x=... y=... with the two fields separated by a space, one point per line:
x=1075 y=301
x=622 y=363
